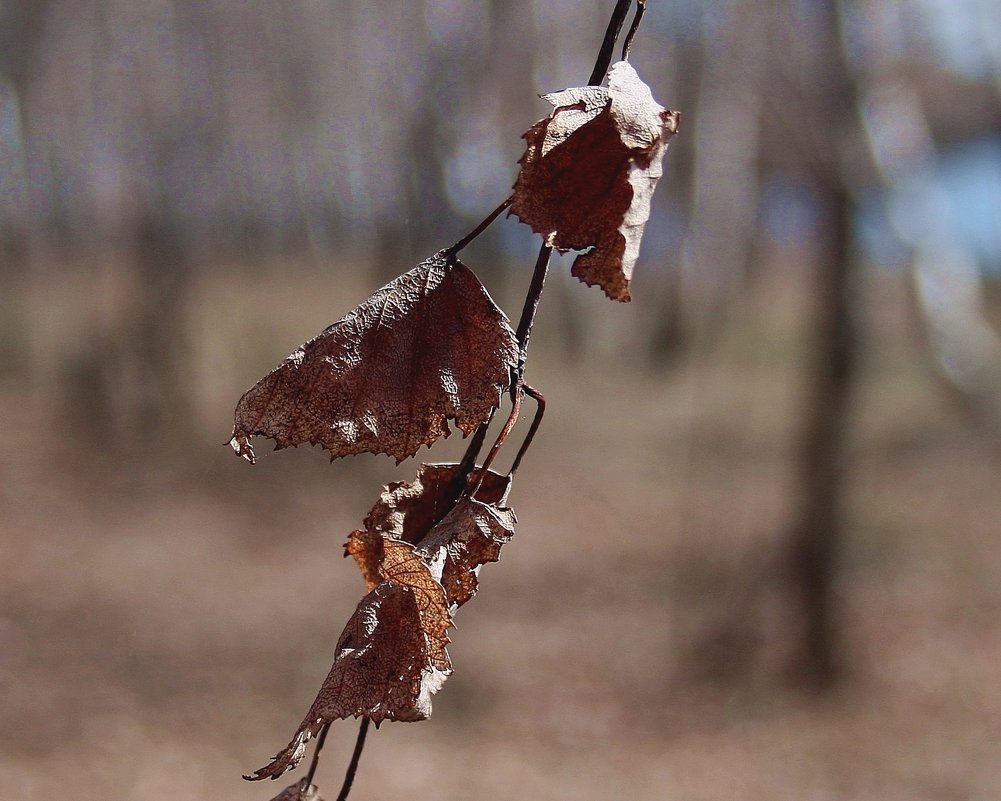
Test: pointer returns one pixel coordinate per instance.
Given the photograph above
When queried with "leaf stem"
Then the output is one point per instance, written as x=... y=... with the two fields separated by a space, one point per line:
x=523 y=335
x=637 y=18
x=531 y=306
x=608 y=43
x=479 y=229
x=308 y=780
x=540 y=410
x=468 y=463
x=534 y=295
x=516 y=395
x=349 y=777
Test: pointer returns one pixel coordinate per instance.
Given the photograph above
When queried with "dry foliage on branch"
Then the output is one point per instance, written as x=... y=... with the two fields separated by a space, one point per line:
x=589 y=171
x=408 y=510
x=454 y=538
x=426 y=348
x=432 y=347
x=383 y=669
x=392 y=657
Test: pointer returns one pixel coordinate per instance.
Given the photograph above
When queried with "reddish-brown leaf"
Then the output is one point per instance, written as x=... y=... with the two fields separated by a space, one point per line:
x=453 y=539
x=368 y=550
x=427 y=348
x=589 y=171
x=403 y=566
x=469 y=536
x=406 y=510
x=384 y=669
x=392 y=656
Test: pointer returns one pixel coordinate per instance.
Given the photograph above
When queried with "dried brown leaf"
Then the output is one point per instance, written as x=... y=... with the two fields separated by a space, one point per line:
x=406 y=510
x=384 y=669
x=368 y=550
x=427 y=348
x=403 y=566
x=470 y=536
x=454 y=539
x=589 y=171
x=392 y=656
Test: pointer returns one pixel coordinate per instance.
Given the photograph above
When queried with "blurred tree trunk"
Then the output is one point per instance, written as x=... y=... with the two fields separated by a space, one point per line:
x=818 y=529
x=415 y=233
x=158 y=339
x=817 y=532
x=21 y=25
x=669 y=332
x=127 y=385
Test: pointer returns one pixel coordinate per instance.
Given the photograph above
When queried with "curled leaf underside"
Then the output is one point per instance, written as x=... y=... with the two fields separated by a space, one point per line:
x=429 y=347
x=589 y=172
x=419 y=557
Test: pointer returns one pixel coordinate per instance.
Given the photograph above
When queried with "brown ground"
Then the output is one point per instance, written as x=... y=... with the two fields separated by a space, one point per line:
x=167 y=617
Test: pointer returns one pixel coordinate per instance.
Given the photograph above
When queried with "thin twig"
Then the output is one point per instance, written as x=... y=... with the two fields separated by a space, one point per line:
x=512 y=418
x=475 y=446
x=534 y=295
x=523 y=335
x=608 y=43
x=540 y=410
x=308 y=781
x=628 y=43
x=532 y=306
x=479 y=229
x=467 y=464
x=349 y=777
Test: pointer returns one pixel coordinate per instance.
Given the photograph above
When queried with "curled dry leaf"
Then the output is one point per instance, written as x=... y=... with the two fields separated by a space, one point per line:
x=427 y=348
x=453 y=538
x=470 y=536
x=384 y=668
x=391 y=657
x=589 y=171
x=403 y=567
x=406 y=510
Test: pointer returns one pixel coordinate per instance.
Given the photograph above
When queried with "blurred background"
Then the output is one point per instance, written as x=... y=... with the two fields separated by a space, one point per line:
x=759 y=553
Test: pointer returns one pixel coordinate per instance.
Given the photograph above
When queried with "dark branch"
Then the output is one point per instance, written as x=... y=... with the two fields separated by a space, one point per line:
x=467 y=464
x=531 y=306
x=608 y=43
x=534 y=295
x=305 y=785
x=540 y=410
x=637 y=18
x=479 y=229
x=349 y=777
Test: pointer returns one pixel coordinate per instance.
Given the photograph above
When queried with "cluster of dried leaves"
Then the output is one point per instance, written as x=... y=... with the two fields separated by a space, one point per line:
x=429 y=348
x=419 y=554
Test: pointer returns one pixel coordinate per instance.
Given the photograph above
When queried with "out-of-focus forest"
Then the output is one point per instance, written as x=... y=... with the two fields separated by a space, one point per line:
x=759 y=552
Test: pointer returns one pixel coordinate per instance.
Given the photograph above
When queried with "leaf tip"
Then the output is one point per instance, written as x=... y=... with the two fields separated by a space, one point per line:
x=241 y=446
